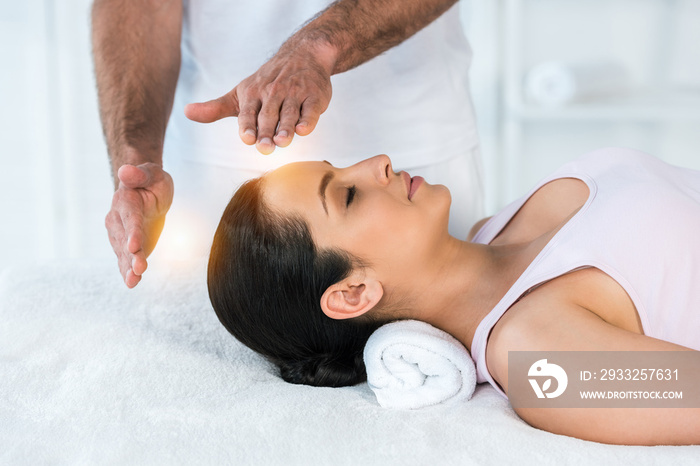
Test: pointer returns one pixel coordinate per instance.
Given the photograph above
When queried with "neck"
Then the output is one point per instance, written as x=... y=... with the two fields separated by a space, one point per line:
x=464 y=282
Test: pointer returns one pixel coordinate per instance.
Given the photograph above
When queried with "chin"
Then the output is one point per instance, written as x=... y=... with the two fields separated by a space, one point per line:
x=443 y=202
x=446 y=190
x=444 y=193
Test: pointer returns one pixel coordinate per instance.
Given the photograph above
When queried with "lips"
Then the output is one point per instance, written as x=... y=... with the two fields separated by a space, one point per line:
x=416 y=181
x=412 y=184
x=407 y=180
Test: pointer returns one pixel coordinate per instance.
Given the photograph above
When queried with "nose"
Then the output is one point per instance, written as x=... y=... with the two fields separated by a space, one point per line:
x=380 y=167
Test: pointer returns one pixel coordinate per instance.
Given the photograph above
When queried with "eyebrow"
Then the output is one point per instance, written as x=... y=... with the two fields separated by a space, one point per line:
x=327 y=177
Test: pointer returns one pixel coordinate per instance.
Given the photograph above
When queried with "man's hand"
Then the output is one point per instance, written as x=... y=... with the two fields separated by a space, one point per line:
x=285 y=96
x=136 y=219
x=289 y=92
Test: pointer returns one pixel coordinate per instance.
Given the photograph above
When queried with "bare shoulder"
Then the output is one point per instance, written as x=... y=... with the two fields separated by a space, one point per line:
x=545 y=324
x=536 y=323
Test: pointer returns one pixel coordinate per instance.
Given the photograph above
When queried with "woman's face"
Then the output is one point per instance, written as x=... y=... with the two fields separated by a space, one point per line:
x=389 y=220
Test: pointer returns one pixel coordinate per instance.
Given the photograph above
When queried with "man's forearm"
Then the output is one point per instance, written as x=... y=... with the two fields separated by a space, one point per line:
x=351 y=32
x=136 y=48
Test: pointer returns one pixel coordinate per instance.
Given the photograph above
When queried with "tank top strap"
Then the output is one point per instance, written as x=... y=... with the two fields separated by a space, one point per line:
x=538 y=272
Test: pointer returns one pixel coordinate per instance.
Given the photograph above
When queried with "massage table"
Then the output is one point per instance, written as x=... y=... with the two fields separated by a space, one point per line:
x=94 y=373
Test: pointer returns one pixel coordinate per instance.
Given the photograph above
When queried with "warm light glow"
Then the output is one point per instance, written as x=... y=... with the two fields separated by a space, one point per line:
x=183 y=238
x=183 y=241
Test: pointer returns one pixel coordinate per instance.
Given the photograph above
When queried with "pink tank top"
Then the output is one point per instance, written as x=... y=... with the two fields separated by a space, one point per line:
x=640 y=225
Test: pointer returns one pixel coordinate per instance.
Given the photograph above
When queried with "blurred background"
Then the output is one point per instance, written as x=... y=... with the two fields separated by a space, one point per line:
x=551 y=79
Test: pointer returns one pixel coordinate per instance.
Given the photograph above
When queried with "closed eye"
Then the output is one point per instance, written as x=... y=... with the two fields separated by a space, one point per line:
x=351 y=195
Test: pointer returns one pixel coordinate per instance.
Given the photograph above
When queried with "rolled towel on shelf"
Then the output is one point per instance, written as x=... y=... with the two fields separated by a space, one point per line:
x=556 y=83
x=411 y=364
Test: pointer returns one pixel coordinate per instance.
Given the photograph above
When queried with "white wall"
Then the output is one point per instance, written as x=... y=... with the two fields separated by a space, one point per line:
x=55 y=184
x=54 y=176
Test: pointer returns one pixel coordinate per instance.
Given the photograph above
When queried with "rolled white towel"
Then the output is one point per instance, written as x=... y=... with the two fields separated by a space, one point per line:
x=411 y=364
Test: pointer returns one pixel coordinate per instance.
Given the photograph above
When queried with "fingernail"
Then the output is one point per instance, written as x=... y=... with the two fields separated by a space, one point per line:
x=250 y=132
x=266 y=141
x=283 y=134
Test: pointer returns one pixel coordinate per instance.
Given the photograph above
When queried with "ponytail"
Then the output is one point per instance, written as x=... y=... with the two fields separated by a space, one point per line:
x=325 y=370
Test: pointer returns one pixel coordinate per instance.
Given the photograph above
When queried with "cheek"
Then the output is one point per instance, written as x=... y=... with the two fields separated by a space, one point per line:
x=373 y=234
x=394 y=239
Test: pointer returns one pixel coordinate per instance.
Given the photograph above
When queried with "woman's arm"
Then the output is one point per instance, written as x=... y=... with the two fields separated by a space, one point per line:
x=537 y=327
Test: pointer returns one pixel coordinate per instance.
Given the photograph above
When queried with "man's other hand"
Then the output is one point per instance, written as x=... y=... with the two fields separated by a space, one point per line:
x=136 y=219
x=285 y=96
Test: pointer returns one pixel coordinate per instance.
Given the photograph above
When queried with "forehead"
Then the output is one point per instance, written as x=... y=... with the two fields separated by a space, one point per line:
x=294 y=185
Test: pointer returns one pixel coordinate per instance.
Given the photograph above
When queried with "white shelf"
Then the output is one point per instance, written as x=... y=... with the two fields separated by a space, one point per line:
x=656 y=106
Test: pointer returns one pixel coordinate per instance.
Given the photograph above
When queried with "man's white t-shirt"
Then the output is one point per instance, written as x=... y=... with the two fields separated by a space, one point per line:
x=412 y=102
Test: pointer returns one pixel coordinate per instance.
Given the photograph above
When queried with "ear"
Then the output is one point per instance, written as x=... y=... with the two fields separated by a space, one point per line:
x=351 y=297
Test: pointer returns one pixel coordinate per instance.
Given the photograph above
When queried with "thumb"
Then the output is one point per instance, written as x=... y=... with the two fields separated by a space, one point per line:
x=133 y=176
x=207 y=112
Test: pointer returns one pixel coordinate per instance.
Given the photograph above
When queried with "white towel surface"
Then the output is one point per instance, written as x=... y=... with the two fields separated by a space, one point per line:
x=411 y=364
x=93 y=373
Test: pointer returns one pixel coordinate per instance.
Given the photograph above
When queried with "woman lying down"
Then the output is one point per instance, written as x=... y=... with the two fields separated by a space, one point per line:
x=603 y=255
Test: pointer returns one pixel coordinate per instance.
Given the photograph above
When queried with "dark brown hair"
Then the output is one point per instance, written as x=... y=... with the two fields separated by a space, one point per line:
x=266 y=278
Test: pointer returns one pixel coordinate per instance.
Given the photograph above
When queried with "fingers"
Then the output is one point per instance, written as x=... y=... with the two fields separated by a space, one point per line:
x=125 y=226
x=289 y=116
x=130 y=266
x=117 y=238
x=135 y=246
x=213 y=110
x=311 y=110
x=132 y=279
x=277 y=127
x=268 y=120
x=248 y=120
x=139 y=263
x=131 y=218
